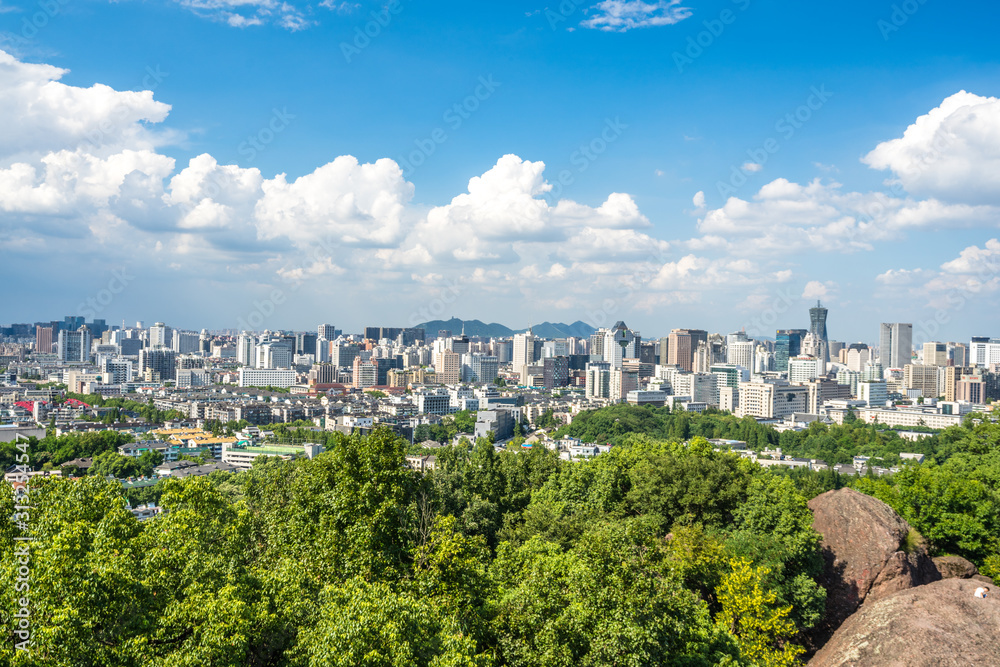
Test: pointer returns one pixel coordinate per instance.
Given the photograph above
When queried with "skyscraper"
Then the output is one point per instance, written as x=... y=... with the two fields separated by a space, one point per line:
x=788 y=345
x=682 y=346
x=817 y=319
x=43 y=339
x=895 y=344
x=524 y=350
x=74 y=346
x=326 y=331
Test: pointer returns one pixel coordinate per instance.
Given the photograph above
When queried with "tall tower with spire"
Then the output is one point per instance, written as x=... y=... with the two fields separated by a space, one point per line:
x=817 y=318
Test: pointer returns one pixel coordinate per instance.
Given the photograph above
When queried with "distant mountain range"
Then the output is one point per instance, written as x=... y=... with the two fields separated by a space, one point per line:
x=495 y=330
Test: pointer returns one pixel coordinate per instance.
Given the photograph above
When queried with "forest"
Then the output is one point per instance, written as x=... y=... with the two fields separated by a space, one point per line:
x=660 y=552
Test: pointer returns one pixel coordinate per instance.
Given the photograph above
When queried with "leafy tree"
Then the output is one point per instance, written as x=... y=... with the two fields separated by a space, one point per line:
x=762 y=630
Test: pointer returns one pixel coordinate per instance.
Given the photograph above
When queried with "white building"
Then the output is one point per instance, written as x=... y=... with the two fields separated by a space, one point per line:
x=873 y=392
x=768 y=400
x=266 y=377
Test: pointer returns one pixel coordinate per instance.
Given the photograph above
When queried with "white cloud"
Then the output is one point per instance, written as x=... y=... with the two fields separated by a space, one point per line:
x=784 y=217
x=352 y=203
x=249 y=13
x=41 y=114
x=815 y=289
x=752 y=167
x=976 y=260
x=623 y=15
x=951 y=153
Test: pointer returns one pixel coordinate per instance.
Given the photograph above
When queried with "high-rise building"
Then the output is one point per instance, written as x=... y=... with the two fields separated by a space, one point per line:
x=74 y=346
x=246 y=349
x=858 y=355
x=984 y=351
x=305 y=343
x=483 y=367
x=597 y=344
x=921 y=377
x=448 y=367
x=524 y=350
x=740 y=352
x=326 y=331
x=598 y=380
x=958 y=354
x=160 y=335
x=787 y=345
x=817 y=319
x=895 y=344
x=43 y=340
x=663 y=350
x=935 y=354
x=682 y=346
x=185 y=342
x=620 y=342
x=343 y=354
x=161 y=361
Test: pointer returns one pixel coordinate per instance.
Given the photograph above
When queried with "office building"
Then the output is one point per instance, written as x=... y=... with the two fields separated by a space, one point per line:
x=817 y=319
x=787 y=345
x=524 y=351
x=682 y=347
x=43 y=340
x=984 y=351
x=768 y=400
x=921 y=377
x=895 y=344
x=935 y=354
x=266 y=377
x=160 y=335
x=326 y=331
x=74 y=346
x=158 y=364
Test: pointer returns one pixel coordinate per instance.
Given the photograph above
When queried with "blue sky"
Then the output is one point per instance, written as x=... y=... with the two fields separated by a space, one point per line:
x=188 y=199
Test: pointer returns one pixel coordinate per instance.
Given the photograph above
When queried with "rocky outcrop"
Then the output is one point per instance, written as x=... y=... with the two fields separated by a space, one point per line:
x=870 y=552
x=955 y=567
x=938 y=624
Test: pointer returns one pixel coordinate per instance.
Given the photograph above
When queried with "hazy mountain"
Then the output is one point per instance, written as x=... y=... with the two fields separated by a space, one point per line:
x=496 y=330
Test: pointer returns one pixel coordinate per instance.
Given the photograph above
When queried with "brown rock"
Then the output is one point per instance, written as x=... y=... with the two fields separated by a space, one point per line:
x=939 y=624
x=862 y=540
x=955 y=567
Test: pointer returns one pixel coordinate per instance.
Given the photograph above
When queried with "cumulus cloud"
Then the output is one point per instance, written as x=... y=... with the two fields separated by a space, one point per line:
x=785 y=216
x=951 y=153
x=42 y=115
x=623 y=15
x=815 y=289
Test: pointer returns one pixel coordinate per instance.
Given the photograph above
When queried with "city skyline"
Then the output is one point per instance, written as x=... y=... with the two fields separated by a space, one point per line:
x=483 y=176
